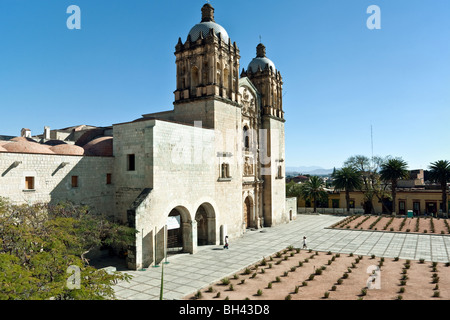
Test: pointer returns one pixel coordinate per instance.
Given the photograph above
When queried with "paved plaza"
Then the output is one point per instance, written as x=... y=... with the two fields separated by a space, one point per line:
x=184 y=274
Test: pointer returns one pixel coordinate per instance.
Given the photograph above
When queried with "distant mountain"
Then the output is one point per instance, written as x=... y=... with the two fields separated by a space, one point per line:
x=314 y=170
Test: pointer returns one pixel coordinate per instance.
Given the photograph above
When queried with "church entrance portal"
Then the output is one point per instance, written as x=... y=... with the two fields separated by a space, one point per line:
x=248 y=209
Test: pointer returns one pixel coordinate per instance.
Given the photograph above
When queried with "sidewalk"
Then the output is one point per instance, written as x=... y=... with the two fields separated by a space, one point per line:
x=185 y=274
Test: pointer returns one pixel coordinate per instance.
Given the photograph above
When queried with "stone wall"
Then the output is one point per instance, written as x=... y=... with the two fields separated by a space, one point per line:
x=52 y=175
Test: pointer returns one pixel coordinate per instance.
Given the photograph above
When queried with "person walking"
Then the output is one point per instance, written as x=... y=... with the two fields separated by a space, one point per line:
x=304 y=243
x=226 y=243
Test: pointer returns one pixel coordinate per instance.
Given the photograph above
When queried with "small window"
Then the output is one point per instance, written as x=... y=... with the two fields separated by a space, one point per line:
x=225 y=171
x=29 y=183
x=131 y=162
x=280 y=172
x=74 y=181
x=352 y=204
x=108 y=178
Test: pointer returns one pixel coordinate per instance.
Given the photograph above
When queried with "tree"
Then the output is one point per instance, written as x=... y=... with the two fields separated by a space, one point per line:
x=38 y=244
x=440 y=173
x=392 y=171
x=293 y=189
x=313 y=189
x=348 y=179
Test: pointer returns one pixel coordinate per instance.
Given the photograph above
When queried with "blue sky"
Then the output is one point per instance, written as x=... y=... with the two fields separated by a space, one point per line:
x=340 y=78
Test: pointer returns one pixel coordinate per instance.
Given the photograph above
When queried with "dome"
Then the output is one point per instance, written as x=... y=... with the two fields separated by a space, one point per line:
x=261 y=60
x=67 y=149
x=203 y=27
x=99 y=147
x=27 y=147
x=206 y=24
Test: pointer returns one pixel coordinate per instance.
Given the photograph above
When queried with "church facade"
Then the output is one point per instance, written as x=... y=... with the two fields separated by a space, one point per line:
x=211 y=167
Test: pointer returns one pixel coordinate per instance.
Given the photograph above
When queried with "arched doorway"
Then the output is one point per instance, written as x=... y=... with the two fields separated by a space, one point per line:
x=206 y=225
x=248 y=212
x=180 y=235
x=175 y=235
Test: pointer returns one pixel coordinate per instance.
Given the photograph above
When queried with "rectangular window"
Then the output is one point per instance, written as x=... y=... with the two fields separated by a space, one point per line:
x=29 y=183
x=108 y=178
x=416 y=207
x=131 y=162
x=401 y=207
x=352 y=204
x=335 y=203
x=74 y=181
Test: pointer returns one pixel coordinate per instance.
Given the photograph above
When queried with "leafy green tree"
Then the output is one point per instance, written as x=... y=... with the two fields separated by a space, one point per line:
x=391 y=171
x=38 y=244
x=440 y=173
x=313 y=189
x=372 y=185
x=348 y=179
x=293 y=189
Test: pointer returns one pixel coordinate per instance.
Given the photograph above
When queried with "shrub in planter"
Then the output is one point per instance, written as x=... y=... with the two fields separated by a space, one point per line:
x=277 y=279
x=269 y=285
x=345 y=276
x=296 y=289
x=402 y=290
x=339 y=281
x=363 y=292
x=259 y=292
x=311 y=277
x=422 y=260
x=304 y=283
x=225 y=281
x=333 y=288
x=326 y=294
x=436 y=294
x=288 y=297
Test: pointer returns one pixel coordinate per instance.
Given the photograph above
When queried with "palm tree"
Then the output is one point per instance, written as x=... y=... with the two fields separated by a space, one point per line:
x=440 y=173
x=391 y=171
x=348 y=179
x=313 y=189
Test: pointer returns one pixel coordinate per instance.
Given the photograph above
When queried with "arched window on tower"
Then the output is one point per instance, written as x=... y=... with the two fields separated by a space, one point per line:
x=195 y=78
x=246 y=138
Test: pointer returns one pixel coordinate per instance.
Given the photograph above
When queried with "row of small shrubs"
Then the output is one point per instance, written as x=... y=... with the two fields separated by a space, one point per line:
x=362 y=221
x=388 y=223
x=375 y=222
x=345 y=221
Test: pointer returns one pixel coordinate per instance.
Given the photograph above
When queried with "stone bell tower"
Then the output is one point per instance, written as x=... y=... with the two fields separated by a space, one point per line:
x=267 y=79
x=207 y=63
x=262 y=73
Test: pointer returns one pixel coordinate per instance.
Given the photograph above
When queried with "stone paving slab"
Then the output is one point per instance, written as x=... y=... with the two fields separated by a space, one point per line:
x=185 y=274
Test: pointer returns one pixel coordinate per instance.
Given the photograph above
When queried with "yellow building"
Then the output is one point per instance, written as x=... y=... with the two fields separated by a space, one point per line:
x=419 y=201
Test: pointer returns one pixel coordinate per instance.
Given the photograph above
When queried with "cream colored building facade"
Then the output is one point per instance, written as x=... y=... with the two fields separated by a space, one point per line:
x=215 y=164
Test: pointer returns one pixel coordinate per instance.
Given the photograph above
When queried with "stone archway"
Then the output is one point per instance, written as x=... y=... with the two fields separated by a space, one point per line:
x=206 y=225
x=181 y=239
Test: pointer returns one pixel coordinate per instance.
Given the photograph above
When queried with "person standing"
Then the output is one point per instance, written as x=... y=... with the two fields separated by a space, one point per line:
x=226 y=243
x=304 y=243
